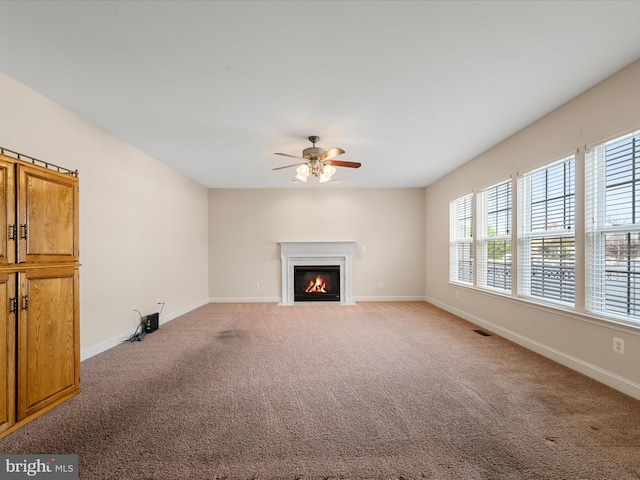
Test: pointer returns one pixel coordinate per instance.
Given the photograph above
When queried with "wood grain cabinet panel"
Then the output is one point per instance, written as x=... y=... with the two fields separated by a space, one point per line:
x=8 y=226
x=47 y=216
x=48 y=363
x=39 y=289
x=7 y=352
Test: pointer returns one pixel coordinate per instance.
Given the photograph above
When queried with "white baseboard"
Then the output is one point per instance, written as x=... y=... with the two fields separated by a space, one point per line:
x=606 y=377
x=279 y=299
x=245 y=300
x=391 y=299
x=118 y=339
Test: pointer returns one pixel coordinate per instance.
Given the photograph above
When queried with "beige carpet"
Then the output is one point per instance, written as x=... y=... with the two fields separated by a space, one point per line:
x=373 y=391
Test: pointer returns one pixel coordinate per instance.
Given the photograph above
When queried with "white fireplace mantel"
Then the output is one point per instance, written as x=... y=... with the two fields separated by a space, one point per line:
x=316 y=253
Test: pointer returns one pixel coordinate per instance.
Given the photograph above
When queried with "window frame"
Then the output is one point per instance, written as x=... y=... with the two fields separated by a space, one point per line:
x=461 y=221
x=599 y=278
x=494 y=200
x=547 y=273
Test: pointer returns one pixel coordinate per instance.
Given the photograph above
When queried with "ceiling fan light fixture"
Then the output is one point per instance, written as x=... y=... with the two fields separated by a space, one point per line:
x=302 y=172
x=326 y=173
x=328 y=170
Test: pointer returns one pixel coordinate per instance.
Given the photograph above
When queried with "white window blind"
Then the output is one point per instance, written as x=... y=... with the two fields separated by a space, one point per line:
x=612 y=208
x=461 y=240
x=546 y=232
x=493 y=237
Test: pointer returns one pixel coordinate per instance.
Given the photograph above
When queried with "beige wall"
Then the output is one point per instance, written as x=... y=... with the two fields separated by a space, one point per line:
x=581 y=342
x=143 y=232
x=245 y=227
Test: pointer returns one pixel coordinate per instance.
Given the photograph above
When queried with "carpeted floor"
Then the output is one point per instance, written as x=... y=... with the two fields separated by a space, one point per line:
x=373 y=391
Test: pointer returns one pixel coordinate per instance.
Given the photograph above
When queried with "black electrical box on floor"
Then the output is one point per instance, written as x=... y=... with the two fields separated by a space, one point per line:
x=151 y=322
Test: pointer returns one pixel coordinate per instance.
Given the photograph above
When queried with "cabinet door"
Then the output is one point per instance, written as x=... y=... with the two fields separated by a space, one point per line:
x=8 y=351
x=48 y=338
x=47 y=216
x=8 y=227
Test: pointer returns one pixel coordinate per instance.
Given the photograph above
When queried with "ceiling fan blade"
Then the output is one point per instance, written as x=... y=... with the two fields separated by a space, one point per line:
x=287 y=166
x=341 y=163
x=332 y=152
x=292 y=156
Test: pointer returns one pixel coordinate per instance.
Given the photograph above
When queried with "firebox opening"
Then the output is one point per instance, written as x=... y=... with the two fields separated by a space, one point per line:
x=313 y=283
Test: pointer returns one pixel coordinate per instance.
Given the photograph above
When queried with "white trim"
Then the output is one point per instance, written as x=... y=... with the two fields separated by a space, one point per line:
x=118 y=339
x=606 y=377
x=615 y=136
x=548 y=164
x=316 y=253
x=402 y=298
x=244 y=300
x=392 y=299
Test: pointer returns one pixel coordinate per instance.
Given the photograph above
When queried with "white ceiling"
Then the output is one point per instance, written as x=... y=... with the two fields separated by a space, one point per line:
x=411 y=90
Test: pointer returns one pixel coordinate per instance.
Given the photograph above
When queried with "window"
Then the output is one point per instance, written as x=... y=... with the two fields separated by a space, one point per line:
x=461 y=240
x=613 y=227
x=546 y=232
x=493 y=237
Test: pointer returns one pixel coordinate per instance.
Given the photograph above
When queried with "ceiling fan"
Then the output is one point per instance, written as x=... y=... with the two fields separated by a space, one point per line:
x=318 y=162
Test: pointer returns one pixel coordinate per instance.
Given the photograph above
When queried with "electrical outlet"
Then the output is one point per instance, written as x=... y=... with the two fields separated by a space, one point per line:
x=381 y=285
x=257 y=285
x=364 y=249
x=618 y=345
x=457 y=294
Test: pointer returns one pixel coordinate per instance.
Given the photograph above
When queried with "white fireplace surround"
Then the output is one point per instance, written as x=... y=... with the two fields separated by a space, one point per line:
x=316 y=253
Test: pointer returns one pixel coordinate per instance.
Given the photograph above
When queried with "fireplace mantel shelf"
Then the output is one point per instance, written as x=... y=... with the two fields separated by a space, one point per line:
x=316 y=253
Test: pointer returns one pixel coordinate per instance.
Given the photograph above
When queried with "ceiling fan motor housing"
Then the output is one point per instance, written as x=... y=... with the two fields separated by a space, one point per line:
x=312 y=152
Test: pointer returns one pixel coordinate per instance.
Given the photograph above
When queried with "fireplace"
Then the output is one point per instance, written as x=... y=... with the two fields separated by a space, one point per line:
x=315 y=283
x=332 y=259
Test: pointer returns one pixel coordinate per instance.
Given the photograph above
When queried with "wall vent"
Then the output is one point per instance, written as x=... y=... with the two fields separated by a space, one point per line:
x=482 y=332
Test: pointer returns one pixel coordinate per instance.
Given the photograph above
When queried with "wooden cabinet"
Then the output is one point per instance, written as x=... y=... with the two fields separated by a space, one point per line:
x=7 y=211
x=47 y=216
x=7 y=354
x=39 y=290
x=48 y=338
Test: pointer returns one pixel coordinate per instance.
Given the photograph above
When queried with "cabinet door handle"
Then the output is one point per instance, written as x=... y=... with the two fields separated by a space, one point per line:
x=13 y=232
x=14 y=305
x=24 y=231
x=25 y=302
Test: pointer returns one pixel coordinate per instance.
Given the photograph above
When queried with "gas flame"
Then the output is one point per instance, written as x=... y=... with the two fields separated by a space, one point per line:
x=319 y=286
